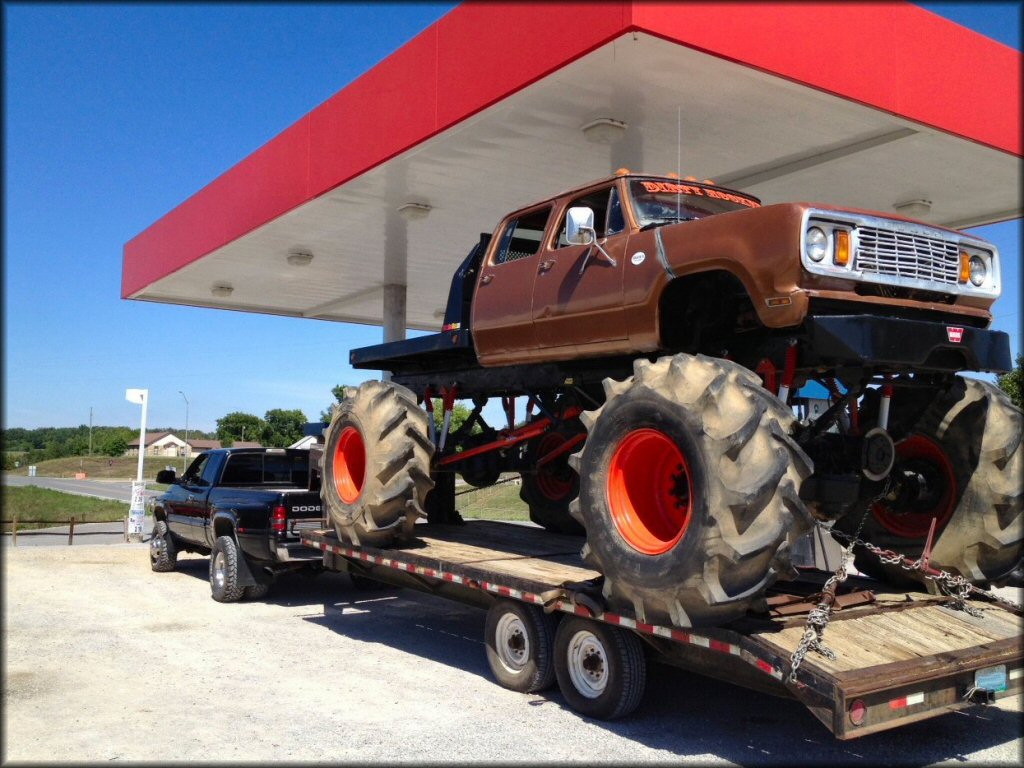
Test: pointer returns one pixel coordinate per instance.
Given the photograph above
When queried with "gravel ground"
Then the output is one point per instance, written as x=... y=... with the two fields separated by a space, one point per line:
x=105 y=660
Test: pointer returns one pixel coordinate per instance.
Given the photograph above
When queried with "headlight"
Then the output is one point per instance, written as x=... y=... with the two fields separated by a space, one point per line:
x=815 y=244
x=978 y=270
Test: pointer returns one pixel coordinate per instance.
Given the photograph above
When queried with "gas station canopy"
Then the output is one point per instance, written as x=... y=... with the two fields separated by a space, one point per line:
x=388 y=184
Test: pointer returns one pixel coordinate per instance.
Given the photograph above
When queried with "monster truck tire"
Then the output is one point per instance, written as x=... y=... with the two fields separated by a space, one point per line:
x=376 y=465
x=224 y=586
x=969 y=444
x=163 y=554
x=689 y=491
x=548 y=490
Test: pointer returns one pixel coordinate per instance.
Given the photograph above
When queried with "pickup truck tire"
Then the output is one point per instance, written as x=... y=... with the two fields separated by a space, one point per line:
x=163 y=554
x=689 y=491
x=968 y=444
x=224 y=585
x=601 y=669
x=376 y=465
x=548 y=490
x=255 y=591
x=520 y=640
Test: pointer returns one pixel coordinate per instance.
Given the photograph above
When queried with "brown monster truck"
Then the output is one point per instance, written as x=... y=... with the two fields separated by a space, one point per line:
x=661 y=330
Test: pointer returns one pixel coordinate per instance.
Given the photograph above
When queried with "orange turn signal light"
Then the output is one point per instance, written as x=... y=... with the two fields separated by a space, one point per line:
x=965 y=267
x=842 y=252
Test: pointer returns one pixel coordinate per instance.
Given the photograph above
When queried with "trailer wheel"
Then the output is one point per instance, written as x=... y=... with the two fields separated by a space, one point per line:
x=255 y=591
x=690 y=491
x=224 y=585
x=520 y=639
x=163 y=554
x=967 y=447
x=376 y=465
x=549 y=489
x=601 y=669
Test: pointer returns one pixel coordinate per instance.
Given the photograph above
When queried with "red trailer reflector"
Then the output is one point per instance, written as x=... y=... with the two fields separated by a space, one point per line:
x=906 y=701
x=857 y=711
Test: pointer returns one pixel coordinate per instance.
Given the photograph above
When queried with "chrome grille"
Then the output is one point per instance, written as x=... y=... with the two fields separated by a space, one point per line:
x=901 y=254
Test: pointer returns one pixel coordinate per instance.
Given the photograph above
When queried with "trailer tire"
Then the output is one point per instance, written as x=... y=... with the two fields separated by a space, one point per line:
x=969 y=443
x=519 y=639
x=376 y=465
x=163 y=554
x=689 y=491
x=601 y=669
x=549 y=490
x=255 y=591
x=224 y=586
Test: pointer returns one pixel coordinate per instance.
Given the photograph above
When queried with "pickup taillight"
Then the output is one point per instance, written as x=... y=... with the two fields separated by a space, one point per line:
x=279 y=521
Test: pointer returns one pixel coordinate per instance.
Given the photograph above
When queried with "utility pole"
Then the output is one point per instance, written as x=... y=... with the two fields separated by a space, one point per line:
x=185 y=463
x=90 y=430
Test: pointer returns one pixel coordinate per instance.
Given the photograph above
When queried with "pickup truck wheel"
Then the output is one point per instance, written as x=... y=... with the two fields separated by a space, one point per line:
x=601 y=669
x=255 y=591
x=548 y=489
x=376 y=465
x=163 y=554
x=690 y=491
x=519 y=639
x=224 y=571
x=968 y=447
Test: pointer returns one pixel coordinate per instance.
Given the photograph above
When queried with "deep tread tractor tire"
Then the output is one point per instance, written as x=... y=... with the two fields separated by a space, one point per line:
x=256 y=591
x=224 y=585
x=548 y=490
x=601 y=669
x=163 y=554
x=968 y=444
x=690 y=491
x=520 y=640
x=376 y=465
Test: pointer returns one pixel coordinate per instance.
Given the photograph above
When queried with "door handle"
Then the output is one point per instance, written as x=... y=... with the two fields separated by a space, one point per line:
x=486 y=279
x=546 y=265
x=191 y=497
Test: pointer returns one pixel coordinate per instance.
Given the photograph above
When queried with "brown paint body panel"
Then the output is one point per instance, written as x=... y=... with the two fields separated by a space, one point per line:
x=544 y=308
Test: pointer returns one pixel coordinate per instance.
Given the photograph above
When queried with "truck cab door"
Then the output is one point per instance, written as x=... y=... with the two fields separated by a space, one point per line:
x=502 y=304
x=577 y=293
x=190 y=502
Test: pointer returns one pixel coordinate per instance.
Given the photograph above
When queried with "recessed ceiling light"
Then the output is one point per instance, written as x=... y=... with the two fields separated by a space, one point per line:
x=222 y=290
x=915 y=209
x=300 y=258
x=604 y=130
x=415 y=211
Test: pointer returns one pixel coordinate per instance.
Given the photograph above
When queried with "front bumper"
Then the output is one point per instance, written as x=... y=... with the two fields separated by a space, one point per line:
x=923 y=345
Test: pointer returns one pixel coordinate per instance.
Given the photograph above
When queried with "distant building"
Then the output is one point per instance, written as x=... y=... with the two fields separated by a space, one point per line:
x=169 y=444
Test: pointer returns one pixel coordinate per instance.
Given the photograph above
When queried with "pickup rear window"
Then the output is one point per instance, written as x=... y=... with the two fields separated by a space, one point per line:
x=248 y=469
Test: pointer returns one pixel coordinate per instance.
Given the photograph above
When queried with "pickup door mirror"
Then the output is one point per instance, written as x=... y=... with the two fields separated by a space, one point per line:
x=166 y=477
x=579 y=226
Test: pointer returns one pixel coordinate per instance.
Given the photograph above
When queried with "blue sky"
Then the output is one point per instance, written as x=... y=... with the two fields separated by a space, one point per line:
x=114 y=114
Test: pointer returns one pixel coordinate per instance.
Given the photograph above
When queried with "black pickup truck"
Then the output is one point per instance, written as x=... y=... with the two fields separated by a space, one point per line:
x=244 y=507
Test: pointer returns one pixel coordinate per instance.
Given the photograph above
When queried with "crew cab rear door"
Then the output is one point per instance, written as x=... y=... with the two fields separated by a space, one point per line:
x=577 y=292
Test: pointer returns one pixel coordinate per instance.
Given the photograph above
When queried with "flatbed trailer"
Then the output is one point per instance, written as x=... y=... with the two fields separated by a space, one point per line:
x=900 y=657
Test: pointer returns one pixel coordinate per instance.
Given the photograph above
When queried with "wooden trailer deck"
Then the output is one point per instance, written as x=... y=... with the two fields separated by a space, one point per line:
x=900 y=656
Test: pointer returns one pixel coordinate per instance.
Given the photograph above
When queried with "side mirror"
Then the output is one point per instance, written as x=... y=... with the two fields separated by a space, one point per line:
x=166 y=477
x=579 y=226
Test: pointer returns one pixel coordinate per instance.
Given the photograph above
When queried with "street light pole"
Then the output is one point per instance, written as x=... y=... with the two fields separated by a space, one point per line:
x=185 y=463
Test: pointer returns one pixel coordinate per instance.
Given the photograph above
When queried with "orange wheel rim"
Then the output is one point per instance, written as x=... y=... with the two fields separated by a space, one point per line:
x=650 y=491
x=926 y=456
x=349 y=465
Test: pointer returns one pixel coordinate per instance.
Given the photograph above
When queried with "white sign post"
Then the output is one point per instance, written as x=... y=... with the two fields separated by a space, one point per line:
x=137 y=510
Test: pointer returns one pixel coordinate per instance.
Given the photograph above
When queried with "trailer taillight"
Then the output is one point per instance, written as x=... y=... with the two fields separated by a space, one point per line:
x=857 y=712
x=280 y=519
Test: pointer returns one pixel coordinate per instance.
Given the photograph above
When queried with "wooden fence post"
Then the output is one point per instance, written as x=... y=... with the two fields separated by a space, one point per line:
x=71 y=532
x=125 y=523
x=14 y=532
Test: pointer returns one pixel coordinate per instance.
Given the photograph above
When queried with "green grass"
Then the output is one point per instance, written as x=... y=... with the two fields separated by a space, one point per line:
x=54 y=507
x=499 y=502
x=103 y=467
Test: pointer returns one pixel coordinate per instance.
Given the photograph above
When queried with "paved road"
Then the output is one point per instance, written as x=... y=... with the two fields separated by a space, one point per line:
x=119 y=490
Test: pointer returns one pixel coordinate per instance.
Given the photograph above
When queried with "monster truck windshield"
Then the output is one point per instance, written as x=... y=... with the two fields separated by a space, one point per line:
x=664 y=202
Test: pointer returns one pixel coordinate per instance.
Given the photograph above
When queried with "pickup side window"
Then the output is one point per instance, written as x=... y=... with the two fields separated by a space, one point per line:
x=522 y=236
x=249 y=469
x=196 y=469
x=243 y=469
x=608 y=218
